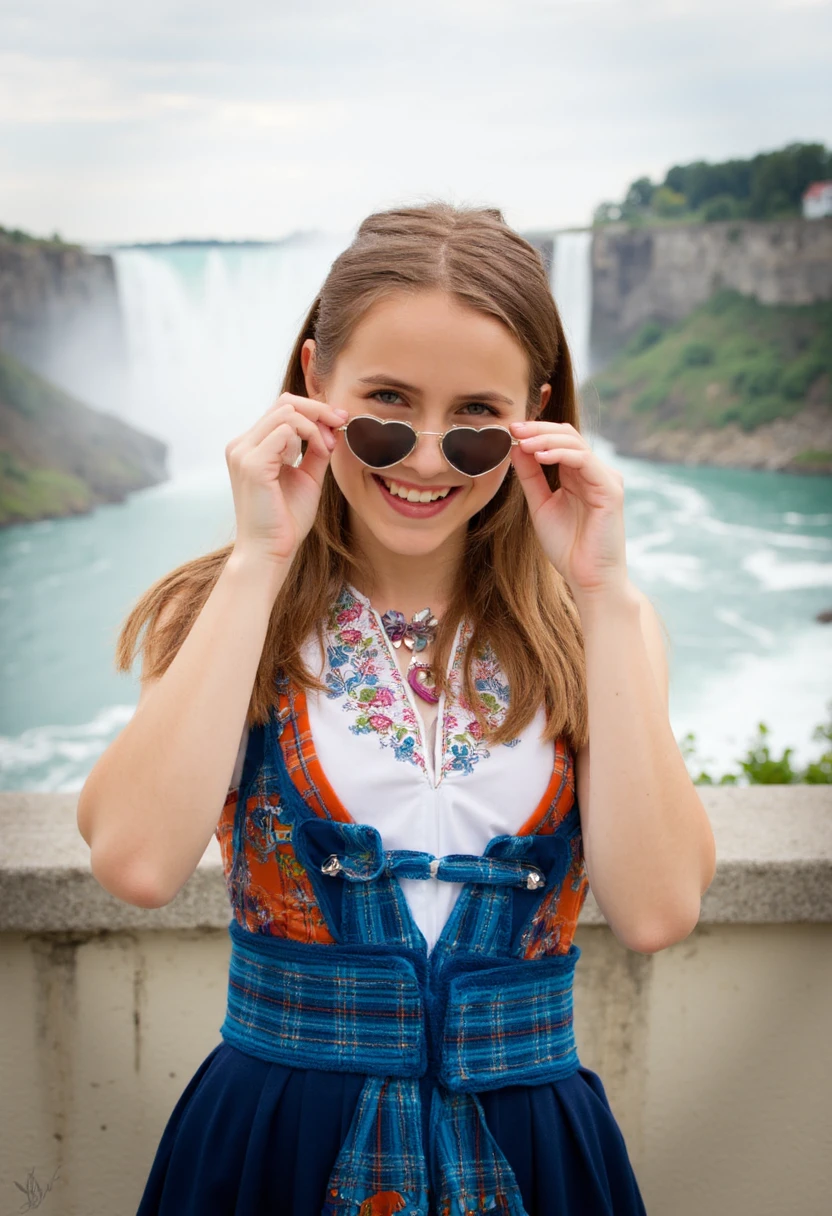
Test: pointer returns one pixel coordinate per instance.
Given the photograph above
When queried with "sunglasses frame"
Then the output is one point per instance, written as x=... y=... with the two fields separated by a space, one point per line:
x=492 y=426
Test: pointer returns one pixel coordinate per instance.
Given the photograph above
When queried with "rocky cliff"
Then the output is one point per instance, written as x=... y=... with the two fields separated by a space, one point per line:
x=663 y=273
x=59 y=457
x=736 y=383
x=60 y=316
x=60 y=325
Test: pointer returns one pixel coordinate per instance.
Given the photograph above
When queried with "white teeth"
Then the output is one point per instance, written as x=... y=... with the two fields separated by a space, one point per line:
x=414 y=495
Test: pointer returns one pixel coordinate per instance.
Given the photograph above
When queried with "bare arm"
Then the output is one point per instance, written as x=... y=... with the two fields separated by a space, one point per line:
x=153 y=800
x=648 y=841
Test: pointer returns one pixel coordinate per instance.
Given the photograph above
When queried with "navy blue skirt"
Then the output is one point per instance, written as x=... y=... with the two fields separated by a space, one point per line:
x=249 y=1137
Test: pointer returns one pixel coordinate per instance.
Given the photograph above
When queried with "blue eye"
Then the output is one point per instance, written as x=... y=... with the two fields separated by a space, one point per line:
x=482 y=405
x=478 y=405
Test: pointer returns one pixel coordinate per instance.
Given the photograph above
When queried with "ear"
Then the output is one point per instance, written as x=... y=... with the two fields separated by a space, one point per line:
x=545 y=394
x=314 y=388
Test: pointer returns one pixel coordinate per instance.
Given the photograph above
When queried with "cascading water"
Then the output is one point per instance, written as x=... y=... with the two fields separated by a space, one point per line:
x=208 y=334
x=208 y=331
x=571 y=280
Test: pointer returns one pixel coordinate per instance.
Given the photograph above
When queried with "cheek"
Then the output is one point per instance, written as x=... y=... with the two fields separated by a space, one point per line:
x=484 y=488
x=345 y=468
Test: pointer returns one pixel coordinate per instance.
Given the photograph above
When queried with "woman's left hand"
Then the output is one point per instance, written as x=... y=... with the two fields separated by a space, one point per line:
x=581 y=524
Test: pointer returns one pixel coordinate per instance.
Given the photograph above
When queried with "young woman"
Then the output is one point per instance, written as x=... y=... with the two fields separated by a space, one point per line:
x=423 y=619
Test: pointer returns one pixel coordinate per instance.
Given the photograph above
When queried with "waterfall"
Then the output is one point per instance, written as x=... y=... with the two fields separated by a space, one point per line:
x=208 y=332
x=571 y=280
x=209 y=329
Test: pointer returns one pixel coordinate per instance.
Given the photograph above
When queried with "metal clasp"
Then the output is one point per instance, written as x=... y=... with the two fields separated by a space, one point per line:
x=534 y=879
x=332 y=865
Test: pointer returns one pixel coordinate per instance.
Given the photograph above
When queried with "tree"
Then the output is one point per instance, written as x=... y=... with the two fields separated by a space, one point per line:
x=669 y=203
x=640 y=194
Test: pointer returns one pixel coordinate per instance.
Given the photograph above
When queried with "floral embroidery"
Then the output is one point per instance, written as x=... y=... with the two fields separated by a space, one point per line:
x=462 y=744
x=357 y=661
x=271 y=892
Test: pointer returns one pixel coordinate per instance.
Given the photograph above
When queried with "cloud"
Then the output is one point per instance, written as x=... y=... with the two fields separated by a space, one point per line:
x=262 y=117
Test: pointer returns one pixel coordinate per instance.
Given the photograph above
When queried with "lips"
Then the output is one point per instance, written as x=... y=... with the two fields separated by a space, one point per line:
x=414 y=510
x=421 y=493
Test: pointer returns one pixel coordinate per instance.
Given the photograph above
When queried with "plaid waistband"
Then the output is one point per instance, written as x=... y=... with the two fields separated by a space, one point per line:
x=343 y=1008
x=478 y=1024
x=481 y=1023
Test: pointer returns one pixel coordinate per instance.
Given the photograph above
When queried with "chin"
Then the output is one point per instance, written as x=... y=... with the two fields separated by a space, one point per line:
x=407 y=541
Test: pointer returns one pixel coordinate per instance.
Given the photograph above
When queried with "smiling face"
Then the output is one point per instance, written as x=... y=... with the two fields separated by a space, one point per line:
x=463 y=368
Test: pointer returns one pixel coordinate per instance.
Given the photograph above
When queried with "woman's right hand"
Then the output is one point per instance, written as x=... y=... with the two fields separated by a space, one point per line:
x=276 y=504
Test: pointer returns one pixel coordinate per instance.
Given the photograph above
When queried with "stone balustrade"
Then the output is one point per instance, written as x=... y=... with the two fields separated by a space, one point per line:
x=714 y=1052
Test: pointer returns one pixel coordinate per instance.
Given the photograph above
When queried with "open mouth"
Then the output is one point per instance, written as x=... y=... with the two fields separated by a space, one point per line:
x=412 y=501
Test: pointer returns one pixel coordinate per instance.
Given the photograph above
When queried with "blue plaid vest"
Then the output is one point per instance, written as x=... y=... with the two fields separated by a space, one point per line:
x=472 y=1015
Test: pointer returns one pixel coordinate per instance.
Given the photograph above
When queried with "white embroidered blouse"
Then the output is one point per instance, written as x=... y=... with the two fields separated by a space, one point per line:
x=421 y=775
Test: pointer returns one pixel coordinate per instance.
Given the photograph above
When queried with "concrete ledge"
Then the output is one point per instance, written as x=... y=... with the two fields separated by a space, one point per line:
x=774 y=865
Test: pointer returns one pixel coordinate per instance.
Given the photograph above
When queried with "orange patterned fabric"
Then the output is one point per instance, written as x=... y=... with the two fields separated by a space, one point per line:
x=270 y=891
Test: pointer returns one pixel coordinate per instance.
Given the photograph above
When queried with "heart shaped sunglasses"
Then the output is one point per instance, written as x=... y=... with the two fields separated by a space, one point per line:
x=380 y=443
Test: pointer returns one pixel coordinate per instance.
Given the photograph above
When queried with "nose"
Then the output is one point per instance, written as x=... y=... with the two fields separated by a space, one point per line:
x=427 y=463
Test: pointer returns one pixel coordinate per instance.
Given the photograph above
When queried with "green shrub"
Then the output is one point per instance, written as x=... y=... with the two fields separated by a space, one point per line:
x=722 y=207
x=722 y=301
x=759 y=767
x=697 y=354
x=814 y=456
x=757 y=379
x=756 y=411
x=669 y=203
x=650 y=398
x=607 y=389
x=647 y=336
x=799 y=378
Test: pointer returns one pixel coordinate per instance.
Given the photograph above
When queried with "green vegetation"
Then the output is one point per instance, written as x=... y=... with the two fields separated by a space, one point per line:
x=731 y=360
x=759 y=767
x=16 y=236
x=27 y=494
x=766 y=187
x=814 y=456
x=59 y=457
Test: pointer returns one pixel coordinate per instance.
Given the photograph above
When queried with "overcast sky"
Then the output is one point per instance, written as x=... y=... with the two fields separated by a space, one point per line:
x=254 y=118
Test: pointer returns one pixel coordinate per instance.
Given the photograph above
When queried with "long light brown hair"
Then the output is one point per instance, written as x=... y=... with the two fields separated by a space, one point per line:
x=515 y=600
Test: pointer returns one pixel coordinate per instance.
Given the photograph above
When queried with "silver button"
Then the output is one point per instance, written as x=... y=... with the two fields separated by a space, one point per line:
x=332 y=865
x=534 y=879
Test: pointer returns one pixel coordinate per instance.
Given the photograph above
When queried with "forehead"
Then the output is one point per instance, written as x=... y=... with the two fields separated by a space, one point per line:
x=430 y=339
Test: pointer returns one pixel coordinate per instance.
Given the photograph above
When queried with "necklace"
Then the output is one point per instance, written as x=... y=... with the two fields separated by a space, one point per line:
x=416 y=634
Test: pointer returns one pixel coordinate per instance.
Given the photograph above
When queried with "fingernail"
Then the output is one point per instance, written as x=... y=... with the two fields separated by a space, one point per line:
x=342 y=413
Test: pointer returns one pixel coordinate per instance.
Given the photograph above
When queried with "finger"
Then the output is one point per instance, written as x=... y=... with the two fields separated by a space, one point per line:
x=287 y=415
x=319 y=411
x=534 y=426
x=534 y=443
x=299 y=428
x=533 y=480
x=313 y=464
x=289 y=405
x=591 y=468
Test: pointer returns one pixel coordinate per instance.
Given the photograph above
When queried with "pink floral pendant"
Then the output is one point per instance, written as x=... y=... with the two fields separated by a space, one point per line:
x=420 y=679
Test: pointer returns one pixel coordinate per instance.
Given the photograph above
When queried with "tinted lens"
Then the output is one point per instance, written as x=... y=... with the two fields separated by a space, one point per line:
x=474 y=452
x=379 y=444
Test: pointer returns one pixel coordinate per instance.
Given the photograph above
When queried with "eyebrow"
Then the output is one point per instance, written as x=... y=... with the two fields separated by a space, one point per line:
x=486 y=395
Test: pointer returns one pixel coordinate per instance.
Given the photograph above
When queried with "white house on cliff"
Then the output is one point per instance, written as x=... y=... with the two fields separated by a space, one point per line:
x=817 y=200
